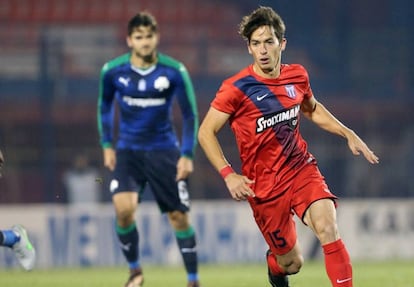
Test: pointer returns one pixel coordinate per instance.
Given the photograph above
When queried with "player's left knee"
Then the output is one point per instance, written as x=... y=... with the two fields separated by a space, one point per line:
x=179 y=220
x=291 y=264
x=294 y=266
x=327 y=232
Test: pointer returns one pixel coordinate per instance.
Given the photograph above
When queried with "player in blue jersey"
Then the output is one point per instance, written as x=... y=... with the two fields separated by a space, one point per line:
x=16 y=238
x=143 y=84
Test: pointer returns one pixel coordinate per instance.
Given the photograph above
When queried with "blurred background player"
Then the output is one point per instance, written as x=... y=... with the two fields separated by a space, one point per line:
x=144 y=83
x=279 y=176
x=16 y=238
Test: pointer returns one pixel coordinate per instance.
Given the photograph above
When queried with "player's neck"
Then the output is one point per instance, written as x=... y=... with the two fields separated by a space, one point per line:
x=268 y=74
x=143 y=62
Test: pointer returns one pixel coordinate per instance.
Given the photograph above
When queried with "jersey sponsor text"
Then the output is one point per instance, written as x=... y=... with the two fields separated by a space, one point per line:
x=271 y=120
x=148 y=102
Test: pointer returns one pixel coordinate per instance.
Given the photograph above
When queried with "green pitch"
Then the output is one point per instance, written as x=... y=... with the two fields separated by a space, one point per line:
x=366 y=274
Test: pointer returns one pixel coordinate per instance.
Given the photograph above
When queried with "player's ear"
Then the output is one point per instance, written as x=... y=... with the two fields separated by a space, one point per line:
x=283 y=44
x=128 y=41
x=157 y=38
x=248 y=47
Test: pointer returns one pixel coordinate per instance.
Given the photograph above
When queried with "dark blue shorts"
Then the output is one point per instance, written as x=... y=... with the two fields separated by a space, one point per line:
x=134 y=169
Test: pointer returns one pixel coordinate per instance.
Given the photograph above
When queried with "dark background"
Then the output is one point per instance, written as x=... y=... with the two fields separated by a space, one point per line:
x=358 y=54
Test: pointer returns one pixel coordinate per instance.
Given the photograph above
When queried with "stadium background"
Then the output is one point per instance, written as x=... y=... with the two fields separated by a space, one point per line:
x=358 y=53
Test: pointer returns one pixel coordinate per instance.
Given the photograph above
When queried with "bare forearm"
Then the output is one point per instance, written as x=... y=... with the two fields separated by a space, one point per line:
x=237 y=184
x=212 y=149
x=327 y=121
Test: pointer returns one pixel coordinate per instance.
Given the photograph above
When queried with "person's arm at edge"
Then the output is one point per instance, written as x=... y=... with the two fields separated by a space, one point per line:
x=318 y=114
x=188 y=105
x=104 y=121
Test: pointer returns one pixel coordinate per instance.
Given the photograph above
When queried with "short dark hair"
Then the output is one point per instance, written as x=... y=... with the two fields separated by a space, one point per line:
x=262 y=16
x=142 y=19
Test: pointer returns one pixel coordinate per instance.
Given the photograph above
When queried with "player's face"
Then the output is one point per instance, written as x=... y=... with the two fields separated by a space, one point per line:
x=266 y=50
x=143 y=42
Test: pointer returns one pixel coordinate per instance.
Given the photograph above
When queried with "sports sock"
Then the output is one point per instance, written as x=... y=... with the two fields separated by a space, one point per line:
x=8 y=238
x=187 y=244
x=129 y=240
x=338 y=264
x=274 y=267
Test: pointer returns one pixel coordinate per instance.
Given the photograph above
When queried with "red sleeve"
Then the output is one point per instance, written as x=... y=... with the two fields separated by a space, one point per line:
x=227 y=98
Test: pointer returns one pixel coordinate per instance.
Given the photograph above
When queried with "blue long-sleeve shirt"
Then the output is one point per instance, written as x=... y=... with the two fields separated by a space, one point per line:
x=145 y=102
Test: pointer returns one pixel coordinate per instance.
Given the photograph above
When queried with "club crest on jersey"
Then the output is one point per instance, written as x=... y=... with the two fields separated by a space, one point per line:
x=268 y=121
x=290 y=90
x=161 y=83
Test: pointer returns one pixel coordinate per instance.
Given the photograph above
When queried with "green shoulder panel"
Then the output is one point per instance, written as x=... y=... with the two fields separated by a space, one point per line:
x=115 y=62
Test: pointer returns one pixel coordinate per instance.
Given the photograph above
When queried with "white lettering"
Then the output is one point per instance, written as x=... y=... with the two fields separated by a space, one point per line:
x=271 y=120
x=150 y=102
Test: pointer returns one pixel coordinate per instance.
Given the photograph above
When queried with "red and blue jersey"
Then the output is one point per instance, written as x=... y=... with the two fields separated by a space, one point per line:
x=145 y=101
x=264 y=116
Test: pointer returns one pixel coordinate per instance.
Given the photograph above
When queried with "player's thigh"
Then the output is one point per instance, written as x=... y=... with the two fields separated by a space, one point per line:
x=308 y=187
x=161 y=173
x=321 y=218
x=127 y=178
x=129 y=172
x=275 y=220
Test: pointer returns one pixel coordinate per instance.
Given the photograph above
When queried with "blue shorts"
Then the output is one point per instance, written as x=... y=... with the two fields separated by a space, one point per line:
x=134 y=169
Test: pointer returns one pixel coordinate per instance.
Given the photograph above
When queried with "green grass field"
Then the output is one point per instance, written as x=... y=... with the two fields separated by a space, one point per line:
x=366 y=274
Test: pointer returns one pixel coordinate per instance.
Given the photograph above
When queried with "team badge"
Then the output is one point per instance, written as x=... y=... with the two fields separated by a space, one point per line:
x=290 y=90
x=161 y=83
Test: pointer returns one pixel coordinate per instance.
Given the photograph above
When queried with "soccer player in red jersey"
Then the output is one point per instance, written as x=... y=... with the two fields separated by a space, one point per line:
x=263 y=104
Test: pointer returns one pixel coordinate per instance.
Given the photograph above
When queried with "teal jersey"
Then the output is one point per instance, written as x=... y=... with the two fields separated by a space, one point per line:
x=145 y=102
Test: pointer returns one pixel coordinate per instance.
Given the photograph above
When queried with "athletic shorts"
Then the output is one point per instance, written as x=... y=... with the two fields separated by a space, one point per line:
x=274 y=216
x=135 y=169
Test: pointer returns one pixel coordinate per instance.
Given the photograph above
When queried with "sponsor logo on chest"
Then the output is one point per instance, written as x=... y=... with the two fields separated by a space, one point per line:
x=268 y=121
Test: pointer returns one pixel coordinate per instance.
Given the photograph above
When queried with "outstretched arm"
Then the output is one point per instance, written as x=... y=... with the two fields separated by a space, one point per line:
x=318 y=114
x=237 y=184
